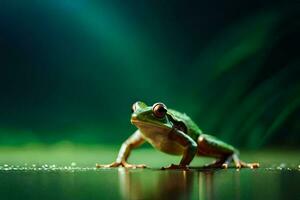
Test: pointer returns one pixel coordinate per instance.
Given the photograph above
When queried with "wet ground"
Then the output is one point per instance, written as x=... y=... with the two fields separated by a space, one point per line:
x=274 y=180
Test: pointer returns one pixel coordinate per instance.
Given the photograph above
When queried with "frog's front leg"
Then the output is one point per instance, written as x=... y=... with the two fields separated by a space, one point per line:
x=189 y=146
x=133 y=141
x=211 y=146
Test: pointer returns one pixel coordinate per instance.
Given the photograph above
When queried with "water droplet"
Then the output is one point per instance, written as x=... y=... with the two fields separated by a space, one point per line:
x=282 y=165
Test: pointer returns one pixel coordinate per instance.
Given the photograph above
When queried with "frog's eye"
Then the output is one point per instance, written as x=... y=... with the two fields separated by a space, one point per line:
x=159 y=110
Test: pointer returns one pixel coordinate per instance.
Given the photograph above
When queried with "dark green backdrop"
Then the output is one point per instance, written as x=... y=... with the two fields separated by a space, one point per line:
x=70 y=70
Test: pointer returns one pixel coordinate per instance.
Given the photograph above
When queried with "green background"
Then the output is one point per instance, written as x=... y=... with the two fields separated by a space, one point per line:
x=70 y=70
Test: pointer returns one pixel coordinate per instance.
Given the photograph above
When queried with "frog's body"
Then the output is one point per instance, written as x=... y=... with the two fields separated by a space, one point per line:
x=175 y=133
x=157 y=136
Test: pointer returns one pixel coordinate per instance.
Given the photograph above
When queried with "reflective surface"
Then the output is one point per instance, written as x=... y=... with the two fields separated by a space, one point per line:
x=68 y=172
x=89 y=183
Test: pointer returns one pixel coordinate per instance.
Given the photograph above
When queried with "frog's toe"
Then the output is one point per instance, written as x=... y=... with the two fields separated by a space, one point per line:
x=133 y=166
x=102 y=166
x=141 y=166
x=173 y=166
x=225 y=165
x=249 y=165
x=240 y=164
x=112 y=165
x=121 y=164
x=254 y=165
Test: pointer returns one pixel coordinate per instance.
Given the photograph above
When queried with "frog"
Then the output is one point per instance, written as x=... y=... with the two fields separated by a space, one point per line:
x=174 y=133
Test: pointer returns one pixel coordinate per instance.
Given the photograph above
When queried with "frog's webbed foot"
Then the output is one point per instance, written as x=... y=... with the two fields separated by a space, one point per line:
x=121 y=164
x=224 y=163
x=173 y=166
x=240 y=164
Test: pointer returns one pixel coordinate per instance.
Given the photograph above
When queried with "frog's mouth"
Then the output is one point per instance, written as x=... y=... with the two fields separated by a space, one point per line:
x=139 y=123
x=134 y=120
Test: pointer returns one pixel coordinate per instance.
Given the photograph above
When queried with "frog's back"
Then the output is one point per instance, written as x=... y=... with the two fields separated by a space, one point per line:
x=192 y=129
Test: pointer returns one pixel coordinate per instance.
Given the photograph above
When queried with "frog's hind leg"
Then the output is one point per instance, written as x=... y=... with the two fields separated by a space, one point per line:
x=226 y=154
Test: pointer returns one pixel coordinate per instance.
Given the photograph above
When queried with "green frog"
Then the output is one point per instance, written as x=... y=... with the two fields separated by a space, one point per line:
x=174 y=133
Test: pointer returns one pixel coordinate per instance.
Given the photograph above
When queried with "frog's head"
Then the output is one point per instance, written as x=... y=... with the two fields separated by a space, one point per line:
x=150 y=117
